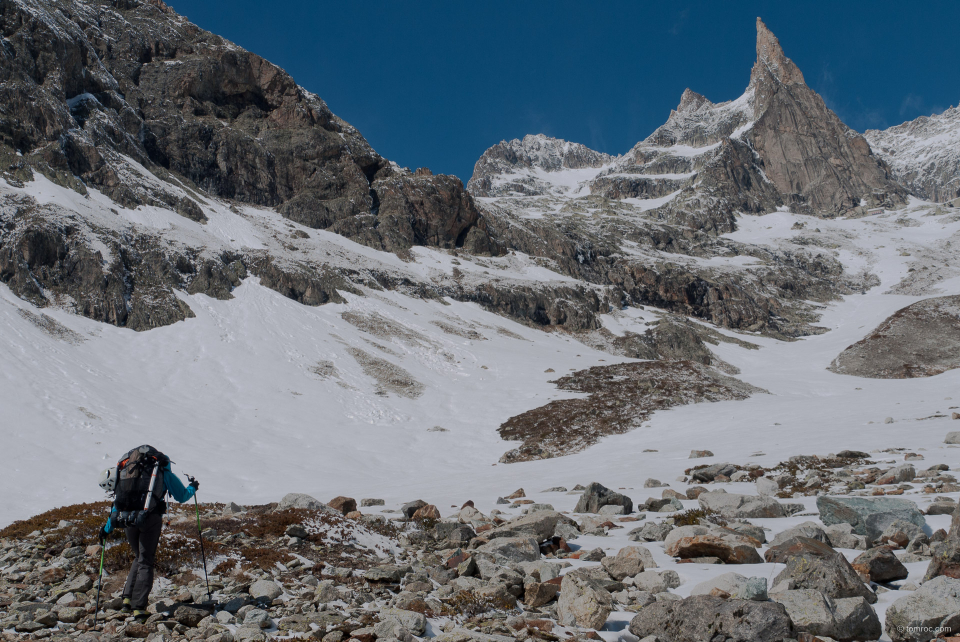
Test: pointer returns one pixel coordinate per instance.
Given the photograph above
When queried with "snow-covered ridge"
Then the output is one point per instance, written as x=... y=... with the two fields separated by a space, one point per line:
x=536 y=165
x=924 y=154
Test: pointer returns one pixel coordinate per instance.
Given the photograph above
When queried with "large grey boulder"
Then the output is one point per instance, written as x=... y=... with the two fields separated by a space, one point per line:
x=733 y=506
x=812 y=530
x=511 y=550
x=704 y=617
x=844 y=619
x=596 y=496
x=729 y=583
x=583 y=602
x=709 y=473
x=412 y=621
x=629 y=561
x=811 y=564
x=302 y=500
x=654 y=582
x=898 y=475
x=918 y=616
x=265 y=589
x=540 y=525
x=767 y=487
x=842 y=536
x=735 y=585
x=651 y=532
x=868 y=516
x=808 y=610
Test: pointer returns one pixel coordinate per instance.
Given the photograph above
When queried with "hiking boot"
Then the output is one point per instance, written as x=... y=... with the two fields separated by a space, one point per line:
x=127 y=606
x=140 y=615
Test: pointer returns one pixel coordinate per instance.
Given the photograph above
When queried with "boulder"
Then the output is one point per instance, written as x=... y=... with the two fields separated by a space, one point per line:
x=703 y=617
x=725 y=544
x=511 y=550
x=536 y=594
x=597 y=495
x=918 y=616
x=808 y=610
x=190 y=617
x=343 y=505
x=811 y=564
x=265 y=590
x=654 y=582
x=880 y=565
x=898 y=475
x=371 y=501
x=812 y=530
x=412 y=621
x=386 y=573
x=845 y=619
x=952 y=437
x=856 y=619
x=767 y=487
x=842 y=536
x=540 y=525
x=301 y=500
x=628 y=562
x=729 y=583
x=651 y=532
x=733 y=506
x=709 y=473
x=71 y=614
x=454 y=532
x=410 y=508
x=583 y=602
x=426 y=512
x=868 y=516
x=700 y=454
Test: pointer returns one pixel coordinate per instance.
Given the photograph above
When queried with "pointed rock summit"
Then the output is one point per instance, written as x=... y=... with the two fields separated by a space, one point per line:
x=691 y=101
x=772 y=63
x=819 y=164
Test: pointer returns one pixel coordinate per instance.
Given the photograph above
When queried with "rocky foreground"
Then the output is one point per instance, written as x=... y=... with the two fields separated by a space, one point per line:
x=831 y=547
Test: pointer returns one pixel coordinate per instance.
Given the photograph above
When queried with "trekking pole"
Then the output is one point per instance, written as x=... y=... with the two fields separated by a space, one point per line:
x=96 y=613
x=203 y=554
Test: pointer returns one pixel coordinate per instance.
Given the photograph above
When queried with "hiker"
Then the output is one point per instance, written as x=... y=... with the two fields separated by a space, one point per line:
x=140 y=481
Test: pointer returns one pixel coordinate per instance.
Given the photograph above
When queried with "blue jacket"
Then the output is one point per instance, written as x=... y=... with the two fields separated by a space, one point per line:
x=175 y=489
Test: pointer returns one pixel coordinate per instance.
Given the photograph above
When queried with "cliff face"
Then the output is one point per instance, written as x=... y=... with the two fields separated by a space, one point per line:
x=88 y=87
x=819 y=164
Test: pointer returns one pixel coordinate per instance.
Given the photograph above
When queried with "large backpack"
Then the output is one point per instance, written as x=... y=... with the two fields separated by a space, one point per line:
x=140 y=487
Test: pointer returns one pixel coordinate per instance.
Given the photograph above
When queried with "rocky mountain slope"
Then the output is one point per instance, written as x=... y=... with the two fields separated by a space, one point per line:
x=633 y=222
x=923 y=154
x=314 y=317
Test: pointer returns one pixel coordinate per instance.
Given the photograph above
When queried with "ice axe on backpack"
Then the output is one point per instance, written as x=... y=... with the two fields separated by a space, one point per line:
x=203 y=554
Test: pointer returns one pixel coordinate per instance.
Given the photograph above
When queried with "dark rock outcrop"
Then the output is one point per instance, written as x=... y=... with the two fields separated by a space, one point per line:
x=84 y=85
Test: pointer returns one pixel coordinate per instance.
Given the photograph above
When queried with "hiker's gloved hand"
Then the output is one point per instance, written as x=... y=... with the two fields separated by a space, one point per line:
x=103 y=534
x=194 y=484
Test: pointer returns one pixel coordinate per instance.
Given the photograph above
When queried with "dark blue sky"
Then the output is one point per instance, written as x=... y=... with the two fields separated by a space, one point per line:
x=436 y=83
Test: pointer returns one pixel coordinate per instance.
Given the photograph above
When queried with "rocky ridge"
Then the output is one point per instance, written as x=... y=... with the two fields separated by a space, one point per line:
x=922 y=154
x=671 y=196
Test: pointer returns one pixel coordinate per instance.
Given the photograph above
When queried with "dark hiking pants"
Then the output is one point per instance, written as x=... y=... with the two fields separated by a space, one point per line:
x=143 y=545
